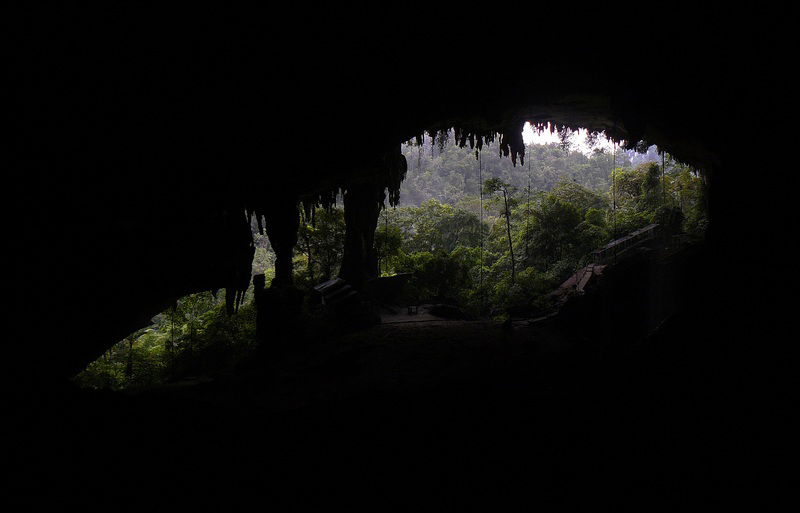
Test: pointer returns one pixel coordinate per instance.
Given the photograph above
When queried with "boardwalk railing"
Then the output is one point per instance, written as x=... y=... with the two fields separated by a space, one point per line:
x=616 y=247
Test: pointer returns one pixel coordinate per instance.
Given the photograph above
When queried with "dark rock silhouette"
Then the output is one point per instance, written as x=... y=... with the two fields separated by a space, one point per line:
x=140 y=139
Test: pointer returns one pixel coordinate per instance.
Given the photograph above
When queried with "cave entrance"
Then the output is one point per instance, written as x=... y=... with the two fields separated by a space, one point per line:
x=476 y=235
x=189 y=341
x=473 y=237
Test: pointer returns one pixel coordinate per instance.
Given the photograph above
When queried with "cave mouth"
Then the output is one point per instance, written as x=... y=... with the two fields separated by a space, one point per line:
x=452 y=352
x=473 y=238
x=139 y=138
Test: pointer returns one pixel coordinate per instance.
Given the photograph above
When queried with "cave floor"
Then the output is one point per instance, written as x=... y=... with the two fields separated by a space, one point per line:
x=447 y=415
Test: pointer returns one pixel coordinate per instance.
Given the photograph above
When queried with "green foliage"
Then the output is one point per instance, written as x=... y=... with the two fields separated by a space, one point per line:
x=580 y=197
x=543 y=233
x=627 y=219
x=530 y=289
x=486 y=247
x=651 y=195
x=451 y=174
x=103 y=374
x=192 y=338
x=434 y=226
x=321 y=242
x=595 y=217
x=689 y=193
x=437 y=276
x=388 y=243
x=553 y=231
x=670 y=218
x=493 y=185
x=626 y=186
x=644 y=195
x=586 y=238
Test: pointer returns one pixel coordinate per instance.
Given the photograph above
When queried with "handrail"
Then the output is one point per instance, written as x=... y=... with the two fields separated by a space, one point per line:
x=624 y=243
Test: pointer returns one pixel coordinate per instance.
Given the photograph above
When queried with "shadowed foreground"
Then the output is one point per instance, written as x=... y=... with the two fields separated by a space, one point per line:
x=440 y=415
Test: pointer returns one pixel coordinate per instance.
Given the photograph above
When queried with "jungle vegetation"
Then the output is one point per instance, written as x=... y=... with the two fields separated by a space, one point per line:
x=475 y=231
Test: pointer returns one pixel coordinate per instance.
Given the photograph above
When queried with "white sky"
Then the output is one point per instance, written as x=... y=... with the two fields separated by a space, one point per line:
x=578 y=139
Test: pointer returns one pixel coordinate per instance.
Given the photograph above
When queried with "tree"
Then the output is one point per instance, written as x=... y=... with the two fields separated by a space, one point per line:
x=651 y=194
x=438 y=276
x=579 y=196
x=439 y=237
x=322 y=242
x=388 y=241
x=435 y=226
x=492 y=186
x=670 y=220
x=554 y=228
x=305 y=233
x=130 y=340
x=595 y=217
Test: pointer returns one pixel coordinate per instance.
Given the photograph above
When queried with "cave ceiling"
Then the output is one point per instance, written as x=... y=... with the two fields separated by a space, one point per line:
x=134 y=135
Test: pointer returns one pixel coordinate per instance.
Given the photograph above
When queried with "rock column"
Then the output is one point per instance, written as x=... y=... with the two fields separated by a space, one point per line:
x=362 y=205
x=282 y=219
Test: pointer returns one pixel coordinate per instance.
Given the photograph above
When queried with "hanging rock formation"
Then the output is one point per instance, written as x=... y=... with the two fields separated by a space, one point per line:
x=362 y=205
x=282 y=219
x=363 y=201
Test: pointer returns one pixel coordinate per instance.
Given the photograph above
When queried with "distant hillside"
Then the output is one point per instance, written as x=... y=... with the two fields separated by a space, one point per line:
x=451 y=174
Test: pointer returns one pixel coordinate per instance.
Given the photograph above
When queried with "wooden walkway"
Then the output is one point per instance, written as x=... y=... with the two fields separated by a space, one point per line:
x=616 y=247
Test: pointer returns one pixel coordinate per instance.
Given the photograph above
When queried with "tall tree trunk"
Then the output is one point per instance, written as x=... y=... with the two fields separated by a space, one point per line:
x=310 y=259
x=510 y=245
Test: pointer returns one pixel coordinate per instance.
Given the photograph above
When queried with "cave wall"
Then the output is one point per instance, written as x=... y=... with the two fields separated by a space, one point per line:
x=137 y=136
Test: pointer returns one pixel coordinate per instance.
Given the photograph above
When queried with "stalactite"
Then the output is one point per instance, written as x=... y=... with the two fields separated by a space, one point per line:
x=395 y=167
x=325 y=198
x=444 y=137
x=512 y=143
